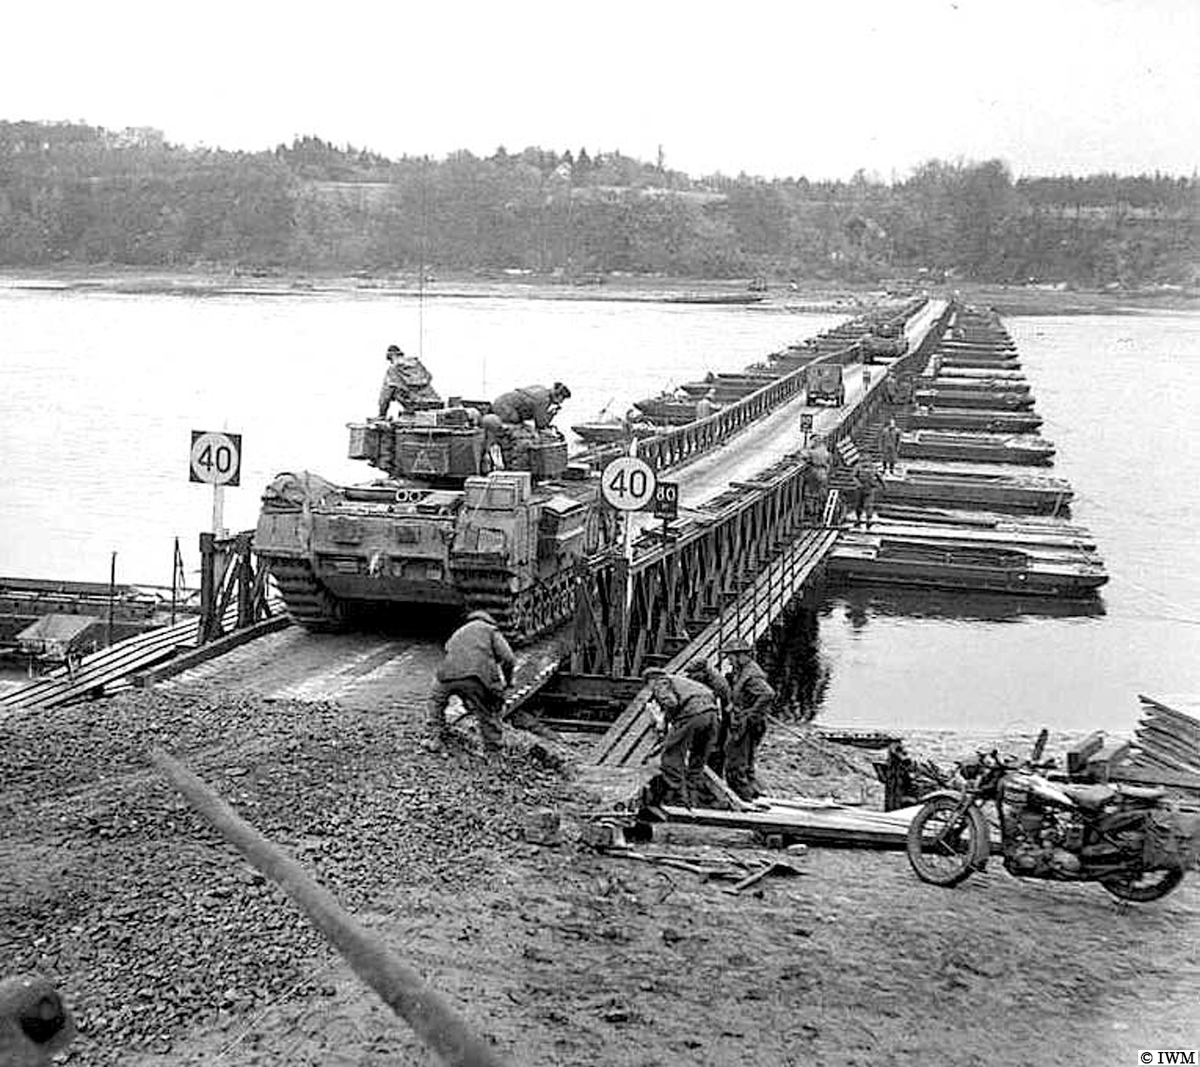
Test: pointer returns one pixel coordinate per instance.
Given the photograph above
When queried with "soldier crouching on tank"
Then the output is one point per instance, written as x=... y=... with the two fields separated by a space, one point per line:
x=513 y=411
x=407 y=383
x=689 y=709
x=477 y=668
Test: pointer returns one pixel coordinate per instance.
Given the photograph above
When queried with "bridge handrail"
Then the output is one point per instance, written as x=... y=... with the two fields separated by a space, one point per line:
x=676 y=447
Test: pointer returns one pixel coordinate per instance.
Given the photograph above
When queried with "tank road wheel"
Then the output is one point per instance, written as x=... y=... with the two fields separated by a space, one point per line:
x=308 y=602
x=1143 y=886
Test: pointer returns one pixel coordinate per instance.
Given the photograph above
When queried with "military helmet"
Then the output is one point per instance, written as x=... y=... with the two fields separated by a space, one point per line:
x=482 y=616
x=738 y=644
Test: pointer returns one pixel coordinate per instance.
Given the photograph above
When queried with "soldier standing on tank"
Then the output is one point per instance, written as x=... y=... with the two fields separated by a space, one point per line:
x=477 y=668
x=750 y=703
x=406 y=382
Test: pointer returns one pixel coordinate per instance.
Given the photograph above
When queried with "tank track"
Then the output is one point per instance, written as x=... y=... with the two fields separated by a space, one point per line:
x=522 y=615
x=307 y=601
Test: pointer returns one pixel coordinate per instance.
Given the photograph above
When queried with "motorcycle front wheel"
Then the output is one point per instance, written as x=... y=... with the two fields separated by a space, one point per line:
x=943 y=841
x=1143 y=886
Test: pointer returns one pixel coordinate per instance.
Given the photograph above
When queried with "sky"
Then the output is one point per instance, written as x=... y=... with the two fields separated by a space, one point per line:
x=814 y=88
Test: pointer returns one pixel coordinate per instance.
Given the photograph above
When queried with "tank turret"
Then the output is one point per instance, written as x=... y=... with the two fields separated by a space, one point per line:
x=459 y=518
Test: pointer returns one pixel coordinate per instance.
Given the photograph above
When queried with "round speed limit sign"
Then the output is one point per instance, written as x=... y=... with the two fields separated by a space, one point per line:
x=216 y=457
x=628 y=483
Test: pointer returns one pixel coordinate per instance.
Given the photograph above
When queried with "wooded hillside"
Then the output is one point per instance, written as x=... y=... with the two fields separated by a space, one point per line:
x=76 y=195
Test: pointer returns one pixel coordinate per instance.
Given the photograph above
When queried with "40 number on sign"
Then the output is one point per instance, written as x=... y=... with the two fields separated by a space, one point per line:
x=628 y=483
x=216 y=458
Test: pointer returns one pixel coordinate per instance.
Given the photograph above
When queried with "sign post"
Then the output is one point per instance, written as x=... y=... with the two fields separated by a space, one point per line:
x=627 y=484
x=806 y=425
x=216 y=458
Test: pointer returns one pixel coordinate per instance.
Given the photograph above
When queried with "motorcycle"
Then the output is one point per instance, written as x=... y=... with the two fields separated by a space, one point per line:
x=1130 y=839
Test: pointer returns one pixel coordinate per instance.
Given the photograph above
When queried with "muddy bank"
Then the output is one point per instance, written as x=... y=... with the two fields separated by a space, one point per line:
x=175 y=952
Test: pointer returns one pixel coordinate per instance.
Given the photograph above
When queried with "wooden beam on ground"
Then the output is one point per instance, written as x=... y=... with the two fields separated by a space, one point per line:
x=194 y=657
x=832 y=827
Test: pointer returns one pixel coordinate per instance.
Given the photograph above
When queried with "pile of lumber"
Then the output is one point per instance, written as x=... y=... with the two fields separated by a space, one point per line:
x=1168 y=738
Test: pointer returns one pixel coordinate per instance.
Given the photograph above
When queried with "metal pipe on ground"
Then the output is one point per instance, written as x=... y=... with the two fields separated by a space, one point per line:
x=400 y=987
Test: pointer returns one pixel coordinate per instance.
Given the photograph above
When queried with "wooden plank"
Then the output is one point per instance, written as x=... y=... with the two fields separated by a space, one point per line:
x=835 y=828
x=1079 y=753
x=194 y=657
x=1134 y=772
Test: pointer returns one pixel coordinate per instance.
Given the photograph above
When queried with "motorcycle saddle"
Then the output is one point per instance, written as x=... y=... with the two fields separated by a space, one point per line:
x=1089 y=797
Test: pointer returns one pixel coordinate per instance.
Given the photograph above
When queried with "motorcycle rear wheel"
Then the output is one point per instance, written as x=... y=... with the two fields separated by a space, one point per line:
x=1143 y=886
x=943 y=841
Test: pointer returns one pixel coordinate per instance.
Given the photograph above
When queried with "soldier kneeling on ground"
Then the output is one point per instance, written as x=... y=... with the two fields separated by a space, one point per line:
x=477 y=668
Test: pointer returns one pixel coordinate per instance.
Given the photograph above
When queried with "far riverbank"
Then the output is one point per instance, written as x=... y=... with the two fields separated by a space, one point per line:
x=792 y=296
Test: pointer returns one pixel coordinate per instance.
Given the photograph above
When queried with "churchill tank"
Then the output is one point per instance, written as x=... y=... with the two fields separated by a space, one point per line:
x=444 y=525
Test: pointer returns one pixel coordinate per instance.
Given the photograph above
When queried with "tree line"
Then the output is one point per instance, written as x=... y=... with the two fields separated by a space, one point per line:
x=74 y=194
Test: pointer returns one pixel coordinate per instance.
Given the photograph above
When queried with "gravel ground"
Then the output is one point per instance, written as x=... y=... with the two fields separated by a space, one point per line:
x=173 y=951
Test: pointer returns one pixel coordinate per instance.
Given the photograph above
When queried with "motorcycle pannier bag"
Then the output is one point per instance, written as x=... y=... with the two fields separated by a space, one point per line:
x=1172 y=840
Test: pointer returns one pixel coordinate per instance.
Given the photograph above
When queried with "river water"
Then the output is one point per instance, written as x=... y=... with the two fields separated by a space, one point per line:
x=100 y=393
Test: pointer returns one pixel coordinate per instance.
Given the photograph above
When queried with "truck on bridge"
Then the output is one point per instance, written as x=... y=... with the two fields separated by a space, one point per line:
x=824 y=382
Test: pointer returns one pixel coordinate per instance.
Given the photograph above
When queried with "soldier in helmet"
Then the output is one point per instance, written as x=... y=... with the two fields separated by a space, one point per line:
x=700 y=670
x=477 y=668
x=407 y=384
x=752 y=698
x=690 y=712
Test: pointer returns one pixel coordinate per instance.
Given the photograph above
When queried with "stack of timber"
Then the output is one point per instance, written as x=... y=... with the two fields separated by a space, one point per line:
x=1168 y=738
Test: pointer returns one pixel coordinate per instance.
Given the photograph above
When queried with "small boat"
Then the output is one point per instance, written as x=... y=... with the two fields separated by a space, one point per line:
x=1024 y=449
x=667 y=410
x=981 y=568
x=612 y=431
x=993 y=400
x=969 y=488
x=938 y=418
